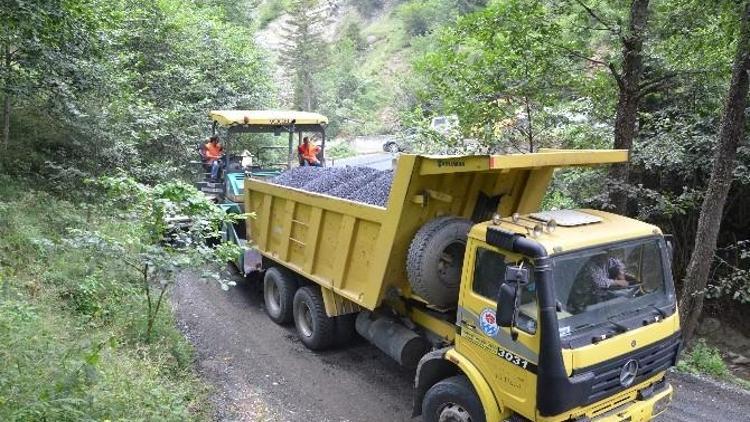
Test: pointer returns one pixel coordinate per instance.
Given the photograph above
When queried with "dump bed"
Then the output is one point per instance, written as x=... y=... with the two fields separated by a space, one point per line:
x=358 y=251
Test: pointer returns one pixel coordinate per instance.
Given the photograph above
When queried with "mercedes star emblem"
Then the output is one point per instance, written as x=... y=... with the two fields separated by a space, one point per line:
x=628 y=372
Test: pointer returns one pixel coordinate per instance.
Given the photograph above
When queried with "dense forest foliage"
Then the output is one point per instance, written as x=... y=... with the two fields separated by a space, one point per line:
x=89 y=86
x=95 y=88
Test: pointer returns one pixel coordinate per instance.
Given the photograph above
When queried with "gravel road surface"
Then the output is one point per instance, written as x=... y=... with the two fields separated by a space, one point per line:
x=261 y=372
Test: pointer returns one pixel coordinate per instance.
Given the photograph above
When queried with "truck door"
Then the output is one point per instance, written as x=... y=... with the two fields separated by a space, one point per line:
x=509 y=366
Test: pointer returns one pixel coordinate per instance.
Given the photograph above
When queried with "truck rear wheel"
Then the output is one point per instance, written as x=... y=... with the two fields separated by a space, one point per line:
x=435 y=259
x=452 y=399
x=279 y=286
x=315 y=328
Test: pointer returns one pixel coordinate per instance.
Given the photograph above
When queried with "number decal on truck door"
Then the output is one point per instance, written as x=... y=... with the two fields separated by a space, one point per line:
x=516 y=360
x=492 y=347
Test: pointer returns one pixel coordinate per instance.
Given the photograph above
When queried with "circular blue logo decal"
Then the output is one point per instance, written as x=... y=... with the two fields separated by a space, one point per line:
x=488 y=322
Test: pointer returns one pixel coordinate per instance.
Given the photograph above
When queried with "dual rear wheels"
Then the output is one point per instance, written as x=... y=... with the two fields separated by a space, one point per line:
x=450 y=400
x=286 y=301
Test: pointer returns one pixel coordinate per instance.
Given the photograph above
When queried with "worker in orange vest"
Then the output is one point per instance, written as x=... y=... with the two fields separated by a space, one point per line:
x=308 y=153
x=211 y=152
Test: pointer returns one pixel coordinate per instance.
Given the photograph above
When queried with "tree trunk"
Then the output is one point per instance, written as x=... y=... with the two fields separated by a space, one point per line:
x=530 y=133
x=628 y=83
x=6 y=119
x=730 y=135
x=6 y=99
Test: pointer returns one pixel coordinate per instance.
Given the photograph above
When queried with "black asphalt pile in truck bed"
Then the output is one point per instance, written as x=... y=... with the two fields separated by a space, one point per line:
x=361 y=184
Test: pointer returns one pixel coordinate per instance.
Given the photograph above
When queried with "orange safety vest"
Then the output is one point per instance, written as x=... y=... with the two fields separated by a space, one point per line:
x=309 y=152
x=212 y=151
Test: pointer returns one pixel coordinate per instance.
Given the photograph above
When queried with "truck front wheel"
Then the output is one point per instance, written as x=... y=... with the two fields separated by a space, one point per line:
x=452 y=400
x=314 y=327
x=279 y=287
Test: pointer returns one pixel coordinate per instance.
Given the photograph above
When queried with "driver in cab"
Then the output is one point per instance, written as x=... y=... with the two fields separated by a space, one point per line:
x=611 y=275
x=598 y=282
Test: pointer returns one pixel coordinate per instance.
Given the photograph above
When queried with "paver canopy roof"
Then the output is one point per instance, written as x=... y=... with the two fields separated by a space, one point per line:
x=267 y=117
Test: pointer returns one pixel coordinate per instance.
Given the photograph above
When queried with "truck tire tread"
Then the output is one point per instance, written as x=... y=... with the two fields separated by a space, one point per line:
x=287 y=285
x=421 y=258
x=323 y=330
x=456 y=390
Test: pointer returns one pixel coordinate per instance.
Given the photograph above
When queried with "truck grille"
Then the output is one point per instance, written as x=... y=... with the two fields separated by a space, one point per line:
x=651 y=360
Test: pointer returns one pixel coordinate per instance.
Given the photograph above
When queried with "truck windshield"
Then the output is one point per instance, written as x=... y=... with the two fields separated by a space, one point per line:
x=605 y=285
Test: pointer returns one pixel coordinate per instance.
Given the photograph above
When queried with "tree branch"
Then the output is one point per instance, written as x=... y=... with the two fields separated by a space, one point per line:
x=648 y=84
x=574 y=53
x=597 y=18
x=616 y=75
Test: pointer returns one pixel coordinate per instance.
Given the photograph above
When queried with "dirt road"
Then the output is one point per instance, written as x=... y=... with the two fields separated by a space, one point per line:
x=261 y=372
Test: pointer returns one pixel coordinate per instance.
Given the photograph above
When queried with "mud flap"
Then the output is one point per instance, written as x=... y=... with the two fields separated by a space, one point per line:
x=252 y=261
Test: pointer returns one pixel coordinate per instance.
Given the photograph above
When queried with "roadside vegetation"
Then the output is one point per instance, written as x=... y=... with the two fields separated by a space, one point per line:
x=703 y=359
x=707 y=360
x=73 y=323
x=90 y=89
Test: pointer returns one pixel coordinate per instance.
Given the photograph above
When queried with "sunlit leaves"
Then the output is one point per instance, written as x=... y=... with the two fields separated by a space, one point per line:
x=500 y=70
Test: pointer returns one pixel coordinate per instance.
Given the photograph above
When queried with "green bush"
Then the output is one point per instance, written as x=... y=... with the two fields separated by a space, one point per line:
x=703 y=359
x=96 y=296
x=417 y=17
x=340 y=150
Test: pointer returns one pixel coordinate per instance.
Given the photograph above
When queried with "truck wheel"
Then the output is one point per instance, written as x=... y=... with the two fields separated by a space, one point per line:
x=279 y=287
x=452 y=399
x=435 y=259
x=316 y=329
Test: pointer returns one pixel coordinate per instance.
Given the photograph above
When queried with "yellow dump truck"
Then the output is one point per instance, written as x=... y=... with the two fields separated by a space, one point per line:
x=506 y=312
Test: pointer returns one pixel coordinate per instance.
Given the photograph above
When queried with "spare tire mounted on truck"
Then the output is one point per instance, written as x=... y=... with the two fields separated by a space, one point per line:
x=435 y=259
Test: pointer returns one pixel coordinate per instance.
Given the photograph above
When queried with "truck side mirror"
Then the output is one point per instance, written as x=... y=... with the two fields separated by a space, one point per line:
x=510 y=294
x=505 y=305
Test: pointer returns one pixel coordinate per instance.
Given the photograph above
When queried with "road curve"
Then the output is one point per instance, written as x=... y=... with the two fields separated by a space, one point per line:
x=261 y=372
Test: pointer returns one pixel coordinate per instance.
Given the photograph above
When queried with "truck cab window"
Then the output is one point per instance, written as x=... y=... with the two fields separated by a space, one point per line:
x=489 y=274
x=489 y=271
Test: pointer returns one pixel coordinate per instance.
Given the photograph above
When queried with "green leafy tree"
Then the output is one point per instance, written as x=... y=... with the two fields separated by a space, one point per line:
x=305 y=53
x=39 y=44
x=629 y=85
x=500 y=70
x=731 y=133
x=347 y=97
x=137 y=96
x=178 y=229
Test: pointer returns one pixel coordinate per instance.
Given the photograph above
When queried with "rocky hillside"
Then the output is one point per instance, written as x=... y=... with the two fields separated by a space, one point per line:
x=386 y=35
